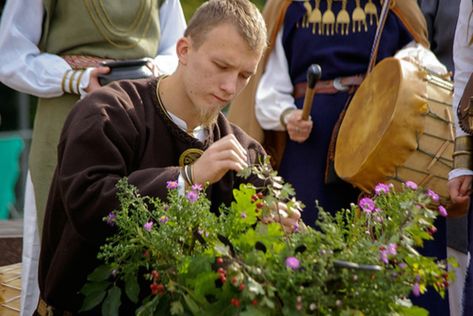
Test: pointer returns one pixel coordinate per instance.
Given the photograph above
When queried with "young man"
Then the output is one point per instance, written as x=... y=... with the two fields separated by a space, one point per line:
x=147 y=130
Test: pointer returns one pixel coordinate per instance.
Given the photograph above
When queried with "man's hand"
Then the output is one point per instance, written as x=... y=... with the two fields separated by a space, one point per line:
x=223 y=155
x=94 y=80
x=297 y=128
x=459 y=189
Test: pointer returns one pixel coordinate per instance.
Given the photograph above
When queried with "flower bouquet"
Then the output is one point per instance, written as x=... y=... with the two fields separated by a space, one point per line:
x=175 y=257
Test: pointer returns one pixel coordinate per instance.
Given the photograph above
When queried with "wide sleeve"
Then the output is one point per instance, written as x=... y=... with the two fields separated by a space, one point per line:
x=22 y=66
x=173 y=24
x=102 y=142
x=274 y=93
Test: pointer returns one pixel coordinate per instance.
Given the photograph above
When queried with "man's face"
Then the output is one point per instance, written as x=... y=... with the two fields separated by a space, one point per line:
x=218 y=70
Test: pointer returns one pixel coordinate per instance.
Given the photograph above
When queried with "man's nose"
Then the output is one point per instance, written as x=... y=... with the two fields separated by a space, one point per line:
x=229 y=84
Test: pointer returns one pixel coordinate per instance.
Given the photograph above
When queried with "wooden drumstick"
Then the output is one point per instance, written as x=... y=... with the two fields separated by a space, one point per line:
x=314 y=72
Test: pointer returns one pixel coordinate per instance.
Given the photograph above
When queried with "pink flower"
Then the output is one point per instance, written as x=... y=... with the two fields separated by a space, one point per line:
x=192 y=196
x=197 y=187
x=442 y=211
x=148 y=226
x=292 y=262
x=411 y=185
x=171 y=185
x=381 y=188
x=416 y=289
x=392 y=249
x=367 y=204
x=434 y=196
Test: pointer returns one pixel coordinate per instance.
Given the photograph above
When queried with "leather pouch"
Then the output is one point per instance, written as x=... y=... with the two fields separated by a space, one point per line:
x=125 y=69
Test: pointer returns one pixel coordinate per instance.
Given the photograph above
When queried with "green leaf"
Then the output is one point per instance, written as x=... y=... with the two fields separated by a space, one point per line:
x=101 y=273
x=414 y=311
x=177 y=308
x=132 y=288
x=112 y=302
x=194 y=308
x=92 y=300
x=148 y=308
x=253 y=311
x=95 y=288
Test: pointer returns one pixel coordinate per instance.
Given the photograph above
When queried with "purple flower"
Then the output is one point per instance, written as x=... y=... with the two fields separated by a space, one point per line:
x=392 y=249
x=197 y=187
x=163 y=219
x=148 y=226
x=416 y=289
x=381 y=188
x=434 y=196
x=111 y=218
x=292 y=262
x=171 y=185
x=295 y=228
x=402 y=265
x=442 y=211
x=192 y=196
x=367 y=204
x=411 y=185
x=383 y=256
x=243 y=215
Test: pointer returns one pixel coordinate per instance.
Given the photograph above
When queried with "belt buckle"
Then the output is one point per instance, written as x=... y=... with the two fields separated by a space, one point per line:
x=337 y=84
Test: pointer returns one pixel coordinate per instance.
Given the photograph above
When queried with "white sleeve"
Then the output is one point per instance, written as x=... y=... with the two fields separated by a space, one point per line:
x=22 y=66
x=274 y=93
x=463 y=60
x=173 y=24
x=462 y=56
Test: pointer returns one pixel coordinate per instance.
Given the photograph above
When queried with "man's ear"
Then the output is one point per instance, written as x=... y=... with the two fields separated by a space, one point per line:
x=182 y=49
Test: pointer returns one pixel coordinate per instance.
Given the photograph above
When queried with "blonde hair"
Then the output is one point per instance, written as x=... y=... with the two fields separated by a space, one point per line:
x=243 y=14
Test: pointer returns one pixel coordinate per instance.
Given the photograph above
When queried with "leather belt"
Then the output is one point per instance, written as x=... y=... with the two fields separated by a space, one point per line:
x=44 y=309
x=340 y=84
x=82 y=61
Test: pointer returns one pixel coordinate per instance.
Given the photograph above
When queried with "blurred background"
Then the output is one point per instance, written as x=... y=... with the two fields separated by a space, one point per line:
x=17 y=112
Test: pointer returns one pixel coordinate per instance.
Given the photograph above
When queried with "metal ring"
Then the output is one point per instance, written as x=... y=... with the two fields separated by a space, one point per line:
x=337 y=84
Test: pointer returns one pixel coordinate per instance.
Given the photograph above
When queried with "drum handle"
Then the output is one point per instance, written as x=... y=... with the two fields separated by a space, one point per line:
x=377 y=37
x=314 y=72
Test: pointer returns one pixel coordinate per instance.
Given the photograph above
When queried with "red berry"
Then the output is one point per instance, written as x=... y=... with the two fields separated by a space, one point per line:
x=155 y=275
x=235 y=302
x=154 y=288
x=221 y=271
x=241 y=287
x=219 y=261
x=254 y=302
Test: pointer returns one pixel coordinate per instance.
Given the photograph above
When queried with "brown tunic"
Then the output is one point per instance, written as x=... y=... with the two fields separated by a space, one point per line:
x=118 y=131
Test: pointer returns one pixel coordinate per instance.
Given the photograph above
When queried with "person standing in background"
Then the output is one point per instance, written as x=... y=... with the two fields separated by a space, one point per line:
x=441 y=17
x=461 y=177
x=53 y=50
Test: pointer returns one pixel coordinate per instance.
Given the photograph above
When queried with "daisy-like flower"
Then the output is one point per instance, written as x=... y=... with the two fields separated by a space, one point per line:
x=367 y=204
x=381 y=188
x=192 y=196
x=411 y=185
x=171 y=185
x=148 y=226
x=442 y=211
x=434 y=196
x=197 y=187
x=292 y=262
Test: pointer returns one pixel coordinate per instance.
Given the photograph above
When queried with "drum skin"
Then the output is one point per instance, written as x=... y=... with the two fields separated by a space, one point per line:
x=398 y=127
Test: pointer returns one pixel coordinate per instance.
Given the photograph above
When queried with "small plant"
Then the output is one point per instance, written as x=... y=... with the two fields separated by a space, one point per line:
x=175 y=257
